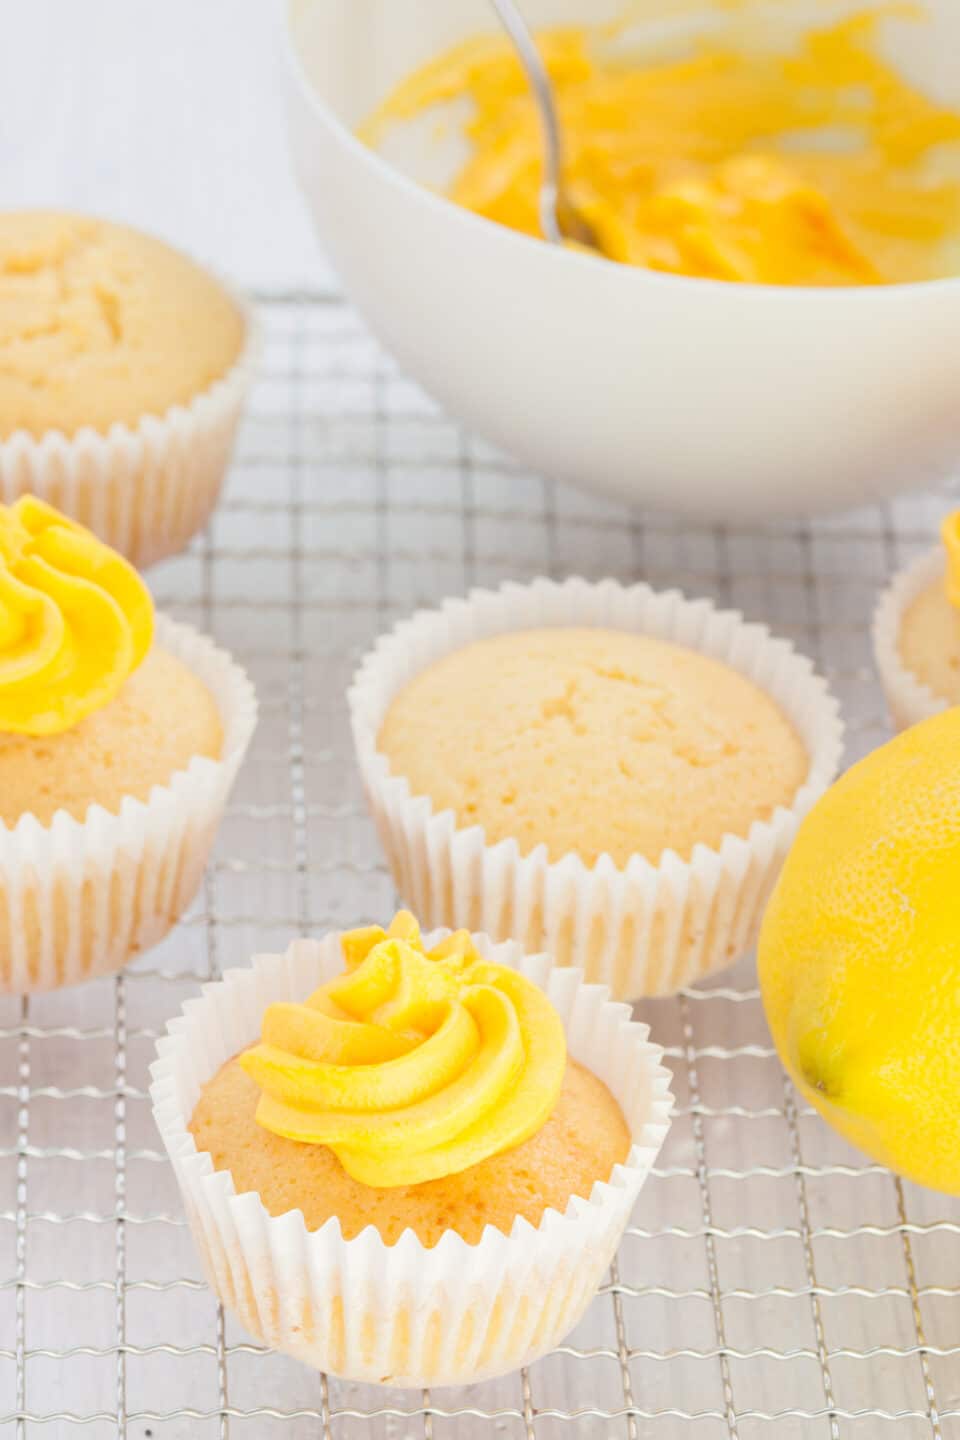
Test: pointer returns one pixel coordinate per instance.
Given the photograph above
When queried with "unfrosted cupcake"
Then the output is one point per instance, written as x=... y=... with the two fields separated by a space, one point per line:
x=916 y=632
x=123 y=368
x=421 y=1172
x=594 y=742
x=120 y=736
x=600 y=770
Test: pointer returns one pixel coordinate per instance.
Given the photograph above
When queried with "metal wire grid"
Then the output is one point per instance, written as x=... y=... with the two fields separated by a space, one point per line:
x=773 y=1282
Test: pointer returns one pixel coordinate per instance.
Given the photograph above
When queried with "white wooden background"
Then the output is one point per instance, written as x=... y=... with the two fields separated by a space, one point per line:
x=168 y=115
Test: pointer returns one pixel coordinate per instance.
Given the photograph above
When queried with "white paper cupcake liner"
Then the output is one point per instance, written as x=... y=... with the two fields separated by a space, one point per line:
x=643 y=929
x=81 y=898
x=909 y=700
x=145 y=489
x=404 y=1314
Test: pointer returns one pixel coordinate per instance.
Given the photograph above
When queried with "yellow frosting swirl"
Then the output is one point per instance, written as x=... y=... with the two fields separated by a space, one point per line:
x=75 y=620
x=950 y=531
x=413 y=1064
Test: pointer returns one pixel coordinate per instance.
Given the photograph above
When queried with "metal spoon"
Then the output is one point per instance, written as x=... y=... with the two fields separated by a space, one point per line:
x=560 y=220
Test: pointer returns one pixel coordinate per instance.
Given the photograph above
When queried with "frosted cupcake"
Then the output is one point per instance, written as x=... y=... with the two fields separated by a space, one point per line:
x=120 y=736
x=414 y=1170
x=606 y=772
x=123 y=369
x=916 y=632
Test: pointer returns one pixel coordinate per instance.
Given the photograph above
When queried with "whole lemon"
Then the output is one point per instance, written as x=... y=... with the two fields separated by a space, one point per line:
x=860 y=955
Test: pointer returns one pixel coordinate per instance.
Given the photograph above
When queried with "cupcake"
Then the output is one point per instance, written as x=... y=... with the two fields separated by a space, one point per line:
x=123 y=369
x=120 y=736
x=605 y=772
x=916 y=633
x=408 y=1161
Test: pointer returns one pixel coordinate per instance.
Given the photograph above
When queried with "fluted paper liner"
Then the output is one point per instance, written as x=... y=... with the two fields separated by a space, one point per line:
x=643 y=928
x=909 y=699
x=147 y=488
x=80 y=898
x=404 y=1314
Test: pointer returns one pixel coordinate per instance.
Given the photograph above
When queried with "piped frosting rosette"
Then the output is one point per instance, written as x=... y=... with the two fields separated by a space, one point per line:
x=75 y=620
x=80 y=897
x=411 y=1066
x=406 y=1313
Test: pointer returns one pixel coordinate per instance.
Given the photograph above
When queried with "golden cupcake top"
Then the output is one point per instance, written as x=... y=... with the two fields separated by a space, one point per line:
x=100 y=323
x=928 y=640
x=75 y=620
x=415 y=1063
x=592 y=742
x=717 y=164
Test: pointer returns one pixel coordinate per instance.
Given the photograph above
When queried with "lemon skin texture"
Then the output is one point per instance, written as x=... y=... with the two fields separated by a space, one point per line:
x=859 y=955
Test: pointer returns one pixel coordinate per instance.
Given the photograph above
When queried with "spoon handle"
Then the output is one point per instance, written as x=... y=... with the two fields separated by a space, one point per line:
x=530 y=58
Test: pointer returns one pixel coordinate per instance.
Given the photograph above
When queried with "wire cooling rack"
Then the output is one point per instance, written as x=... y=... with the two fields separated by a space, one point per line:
x=773 y=1283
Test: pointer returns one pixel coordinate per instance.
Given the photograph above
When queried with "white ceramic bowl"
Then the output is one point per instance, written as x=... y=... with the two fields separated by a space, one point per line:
x=722 y=401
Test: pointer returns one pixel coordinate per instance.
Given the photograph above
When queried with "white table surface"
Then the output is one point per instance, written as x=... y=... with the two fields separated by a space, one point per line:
x=168 y=116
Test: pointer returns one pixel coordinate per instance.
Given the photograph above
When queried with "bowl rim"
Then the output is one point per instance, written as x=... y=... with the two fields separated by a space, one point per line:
x=750 y=292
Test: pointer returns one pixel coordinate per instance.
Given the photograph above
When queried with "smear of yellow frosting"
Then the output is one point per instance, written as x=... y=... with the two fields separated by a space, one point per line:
x=75 y=620
x=822 y=166
x=414 y=1064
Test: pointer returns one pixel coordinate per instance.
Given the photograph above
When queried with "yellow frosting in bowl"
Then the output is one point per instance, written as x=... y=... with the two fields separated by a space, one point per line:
x=414 y=1064
x=821 y=166
x=75 y=620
